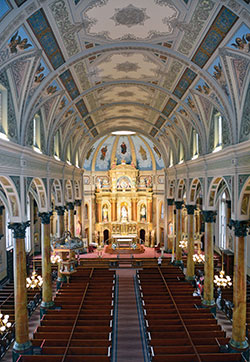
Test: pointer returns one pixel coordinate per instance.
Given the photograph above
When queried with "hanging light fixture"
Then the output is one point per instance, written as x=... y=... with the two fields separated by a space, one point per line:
x=35 y=281
x=198 y=257
x=222 y=280
x=55 y=258
x=184 y=242
x=4 y=323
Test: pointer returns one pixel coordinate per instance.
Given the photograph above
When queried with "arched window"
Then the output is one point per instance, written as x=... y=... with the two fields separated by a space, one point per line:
x=68 y=154
x=217 y=132
x=57 y=146
x=37 y=133
x=171 y=158
x=3 y=113
x=222 y=221
x=9 y=233
x=195 y=145
x=181 y=153
x=77 y=160
x=28 y=231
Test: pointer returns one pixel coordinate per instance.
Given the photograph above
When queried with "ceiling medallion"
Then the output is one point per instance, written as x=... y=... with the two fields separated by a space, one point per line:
x=130 y=16
x=127 y=67
x=125 y=94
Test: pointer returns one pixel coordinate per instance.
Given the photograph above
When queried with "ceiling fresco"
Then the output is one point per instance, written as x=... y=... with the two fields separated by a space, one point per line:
x=158 y=67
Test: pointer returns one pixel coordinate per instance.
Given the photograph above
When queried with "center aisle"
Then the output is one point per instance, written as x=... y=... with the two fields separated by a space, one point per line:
x=129 y=344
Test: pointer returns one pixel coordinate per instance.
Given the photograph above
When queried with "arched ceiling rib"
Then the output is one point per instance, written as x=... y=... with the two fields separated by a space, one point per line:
x=145 y=65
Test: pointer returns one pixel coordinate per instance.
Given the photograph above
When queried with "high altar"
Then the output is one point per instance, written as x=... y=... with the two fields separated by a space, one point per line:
x=124 y=206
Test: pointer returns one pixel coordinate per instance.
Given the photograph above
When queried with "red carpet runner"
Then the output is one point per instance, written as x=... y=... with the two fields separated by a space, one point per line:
x=129 y=345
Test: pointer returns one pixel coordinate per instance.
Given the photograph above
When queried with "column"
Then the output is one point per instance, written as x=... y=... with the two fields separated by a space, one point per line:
x=22 y=343
x=70 y=207
x=238 y=340
x=98 y=211
x=46 y=264
x=78 y=205
x=178 y=250
x=60 y=220
x=113 y=210
x=1 y=222
x=190 y=262
x=208 y=297
x=149 y=210
x=170 y=210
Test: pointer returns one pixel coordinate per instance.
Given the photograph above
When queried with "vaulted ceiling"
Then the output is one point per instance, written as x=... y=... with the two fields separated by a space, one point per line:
x=157 y=67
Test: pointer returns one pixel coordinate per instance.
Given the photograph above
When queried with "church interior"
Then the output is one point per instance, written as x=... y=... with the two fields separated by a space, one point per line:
x=124 y=180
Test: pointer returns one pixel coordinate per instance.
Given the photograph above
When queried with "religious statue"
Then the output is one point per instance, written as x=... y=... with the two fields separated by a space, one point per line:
x=103 y=152
x=124 y=213
x=143 y=212
x=105 y=213
x=123 y=148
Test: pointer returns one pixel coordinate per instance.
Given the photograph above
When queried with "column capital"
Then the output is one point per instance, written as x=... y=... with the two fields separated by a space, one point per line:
x=19 y=229
x=45 y=217
x=209 y=215
x=228 y=202
x=1 y=209
x=170 y=202
x=178 y=205
x=1 y=235
x=70 y=205
x=78 y=202
x=190 y=209
x=60 y=210
x=240 y=227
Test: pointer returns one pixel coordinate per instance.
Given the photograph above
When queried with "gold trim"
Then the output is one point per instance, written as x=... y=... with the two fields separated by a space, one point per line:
x=151 y=153
x=114 y=150
x=132 y=146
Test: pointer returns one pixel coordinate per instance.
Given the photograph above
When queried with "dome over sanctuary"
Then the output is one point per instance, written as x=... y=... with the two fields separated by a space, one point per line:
x=133 y=149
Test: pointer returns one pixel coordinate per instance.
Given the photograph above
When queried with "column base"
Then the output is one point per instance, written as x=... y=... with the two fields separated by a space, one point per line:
x=209 y=304
x=45 y=306
x=190 y=278
x=235 y=346
x=21 y=348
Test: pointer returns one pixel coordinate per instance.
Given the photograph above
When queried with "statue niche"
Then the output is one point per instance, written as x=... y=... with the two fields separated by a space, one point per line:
x=105 y=213
x=143 y=214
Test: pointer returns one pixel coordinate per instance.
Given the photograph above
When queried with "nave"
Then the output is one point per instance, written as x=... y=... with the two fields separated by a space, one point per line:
x=145 y=314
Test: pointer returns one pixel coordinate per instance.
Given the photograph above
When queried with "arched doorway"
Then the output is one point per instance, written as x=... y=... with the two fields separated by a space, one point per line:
x=142 y=236
x=106 y=236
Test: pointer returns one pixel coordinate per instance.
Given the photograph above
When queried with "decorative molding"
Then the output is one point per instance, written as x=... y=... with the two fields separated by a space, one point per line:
x=45 y=217
x=19 y=229
x=209 y=216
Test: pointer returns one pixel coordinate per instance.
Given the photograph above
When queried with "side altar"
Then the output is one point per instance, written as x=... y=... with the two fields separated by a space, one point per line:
x=124 y=205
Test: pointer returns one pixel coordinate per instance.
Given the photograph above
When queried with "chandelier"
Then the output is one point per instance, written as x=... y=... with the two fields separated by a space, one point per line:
x=35 y=281
x=4 y=324
x=222 y=280
x=55 y=258
x=198 y=257
x=184 y=242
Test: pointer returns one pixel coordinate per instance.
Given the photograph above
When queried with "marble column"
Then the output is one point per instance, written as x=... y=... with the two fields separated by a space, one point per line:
x=178 y=250
x=170 y=216
x=46 y=264
x=228 y=202
x=22 y=343
x=113 y=210
x=78 y=205
x=99 y=211
x=190 y=263
x=208 y=297
x=1 y=222
x=70 y=207
x=238 y=340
